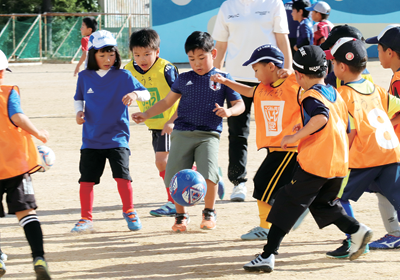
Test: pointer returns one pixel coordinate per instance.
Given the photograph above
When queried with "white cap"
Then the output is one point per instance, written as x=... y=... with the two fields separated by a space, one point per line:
x=320 y=7
x=101 y=39
x=3 y=61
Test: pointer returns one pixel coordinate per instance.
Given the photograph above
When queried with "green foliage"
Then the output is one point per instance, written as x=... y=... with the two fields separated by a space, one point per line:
x=36 y=6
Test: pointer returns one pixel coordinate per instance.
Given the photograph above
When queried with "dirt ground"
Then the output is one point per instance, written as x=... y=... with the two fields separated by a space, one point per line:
x=155 y=252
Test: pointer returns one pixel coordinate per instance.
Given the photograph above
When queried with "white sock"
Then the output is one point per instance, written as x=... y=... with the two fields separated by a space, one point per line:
x=389 y=215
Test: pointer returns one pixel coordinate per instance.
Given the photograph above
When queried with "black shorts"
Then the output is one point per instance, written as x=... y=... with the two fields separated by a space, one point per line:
x=19 y=192
x=93 y=161
x=275 y=172
x=161 y=143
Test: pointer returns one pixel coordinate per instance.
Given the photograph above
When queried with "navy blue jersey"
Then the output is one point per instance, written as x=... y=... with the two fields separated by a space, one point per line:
x=305 y=33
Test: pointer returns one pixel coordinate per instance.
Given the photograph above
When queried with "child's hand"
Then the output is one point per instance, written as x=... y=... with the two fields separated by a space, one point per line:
x=80 y=117
x=284 y=73
x=218 y=78
x=296 y=48
x=222 y=112
x=129 y=98
x=76 y=70
x=296 y=127
x=168 y=127
x=43 y=135
x=288 y=139
x=139 y=117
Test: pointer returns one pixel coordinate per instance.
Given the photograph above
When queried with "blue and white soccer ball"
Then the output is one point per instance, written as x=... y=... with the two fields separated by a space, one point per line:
x=47 y=157
x=188 y=187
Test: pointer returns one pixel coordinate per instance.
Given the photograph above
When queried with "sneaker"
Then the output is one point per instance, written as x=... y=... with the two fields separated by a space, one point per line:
x=221 y=185
x=167 y=210
x=83 y=225
x=239 y=193
x=2 y=268
x=181 y=222
x=209 y=219
x=257 y=233
x=386 y=242
x=343 y=251
x=261 y=264
x=3 y=256
x=359 y=241
x=132 y=218
x=41 y=269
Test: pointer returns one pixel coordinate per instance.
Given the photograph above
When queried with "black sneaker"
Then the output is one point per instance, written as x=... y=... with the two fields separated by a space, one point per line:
x=341 y=252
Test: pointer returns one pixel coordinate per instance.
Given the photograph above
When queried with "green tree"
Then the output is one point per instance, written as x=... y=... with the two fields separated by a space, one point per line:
x=37 y=6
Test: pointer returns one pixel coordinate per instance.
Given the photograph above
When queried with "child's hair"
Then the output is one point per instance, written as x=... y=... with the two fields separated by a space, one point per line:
x=145 y=38
x=384 y=47
x=300 y=5
x=90 y=23
x=319 y=75
x=265 y=62
x=356 y=69
x=323 y=16
x=92 y=63
x=199 y=40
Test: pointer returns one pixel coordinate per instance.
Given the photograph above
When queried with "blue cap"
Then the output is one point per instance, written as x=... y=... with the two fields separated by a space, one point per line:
x=101 y=39
x=390 y=37
x=320 y=7
x=266 y=53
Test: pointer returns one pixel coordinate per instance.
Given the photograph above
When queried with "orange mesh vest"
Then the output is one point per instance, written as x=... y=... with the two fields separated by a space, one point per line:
x=18 y=153
x=395 y=78
x=276 y=111
x=375 y=143
x=325 y=153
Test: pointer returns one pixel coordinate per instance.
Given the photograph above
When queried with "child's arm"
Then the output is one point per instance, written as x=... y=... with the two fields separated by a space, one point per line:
x=141 y=95
x=81 y=61
x=236 y=109
x=238 y=87
x=351 y=136
x=157 y=108
x=24 y=122
x=169 y=125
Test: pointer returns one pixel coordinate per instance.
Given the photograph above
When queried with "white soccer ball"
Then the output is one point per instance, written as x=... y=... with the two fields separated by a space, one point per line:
x=47 y=157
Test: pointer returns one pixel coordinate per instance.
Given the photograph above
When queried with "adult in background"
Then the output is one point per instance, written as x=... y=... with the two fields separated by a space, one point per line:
x=241 y=27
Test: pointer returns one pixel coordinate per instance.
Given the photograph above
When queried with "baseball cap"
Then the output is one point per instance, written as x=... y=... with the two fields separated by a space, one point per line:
x=320 y=7
x=266 y=53
x=310 y=59
x=3 y=61
x=347 y=50
x=341 y=31
x=101 y=39
x=390 y=37
x=301 y=4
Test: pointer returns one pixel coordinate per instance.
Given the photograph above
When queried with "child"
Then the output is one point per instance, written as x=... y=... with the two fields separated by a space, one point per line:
x=374 y=146
x=89 y=25
x=319 y=13
x=157 y=75
x=107 y=92
x=317 y=179
x=18 y=159
x=197 y=129
x=304 y=30
x=276 y=111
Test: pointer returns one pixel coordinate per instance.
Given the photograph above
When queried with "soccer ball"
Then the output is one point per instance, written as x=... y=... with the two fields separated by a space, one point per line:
x=188 y=187
x=47 y=157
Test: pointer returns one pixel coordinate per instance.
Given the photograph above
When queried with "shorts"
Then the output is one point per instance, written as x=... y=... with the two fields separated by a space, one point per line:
x=161 y=143
x=275 y=172
x=93 y=161
x=384 y=179
x=193 y=146
x=307 y=191
x=20 y=195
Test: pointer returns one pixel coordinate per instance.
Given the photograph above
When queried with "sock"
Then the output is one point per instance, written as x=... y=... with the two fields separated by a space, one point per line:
x=126 y=193
x=349 y=211
x=170 y=199
x=33 y=233
x=263 y=210
x=86 y=197
x=389 y=215
x=347 y=224
x=275 y=237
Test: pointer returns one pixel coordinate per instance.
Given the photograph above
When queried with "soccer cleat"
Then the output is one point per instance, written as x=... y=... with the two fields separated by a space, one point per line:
x=167 y=210
x=239 y=193
x=41 y=269
x=343 y=251
x=181 y=222
x=359 y=241
x=132 y=218
x=257 y=233
x=221 y=185
x=2 y=268
x=386 y=242
x=209 y=219
x=261 y=264
x=3 y=256
x=83 y=225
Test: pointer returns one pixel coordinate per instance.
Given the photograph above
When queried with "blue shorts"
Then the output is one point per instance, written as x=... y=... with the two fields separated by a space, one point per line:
x=384 y=179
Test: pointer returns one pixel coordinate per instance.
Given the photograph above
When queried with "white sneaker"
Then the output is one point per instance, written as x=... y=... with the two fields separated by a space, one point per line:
x=257 y=233
x=261 y=264
x=3 y=256
x=359 y=241
x=239 y=193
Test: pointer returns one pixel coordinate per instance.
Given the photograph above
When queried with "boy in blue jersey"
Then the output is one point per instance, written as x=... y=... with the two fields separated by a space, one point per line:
x=305 y=28
x=197 y=129
x=157 y=75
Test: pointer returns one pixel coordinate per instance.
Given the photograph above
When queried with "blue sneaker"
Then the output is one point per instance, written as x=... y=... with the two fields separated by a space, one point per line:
x=386 y=242
x=83 y=225
x=132 y=219
x=167 y=210
x=2 y=268
x=221 y=185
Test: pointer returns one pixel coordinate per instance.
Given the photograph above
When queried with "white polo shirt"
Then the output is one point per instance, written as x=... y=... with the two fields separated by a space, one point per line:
x=246 y=25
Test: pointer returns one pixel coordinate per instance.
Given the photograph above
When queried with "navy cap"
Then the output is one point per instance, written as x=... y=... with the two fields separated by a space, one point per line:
x=310 y=59
x=266 y=53
x=341 y=31
x=320 y=7
x=390 y=37
x=348 y=50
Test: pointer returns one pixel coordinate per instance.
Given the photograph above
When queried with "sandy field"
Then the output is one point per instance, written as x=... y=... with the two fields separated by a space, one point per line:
x=155 y=252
